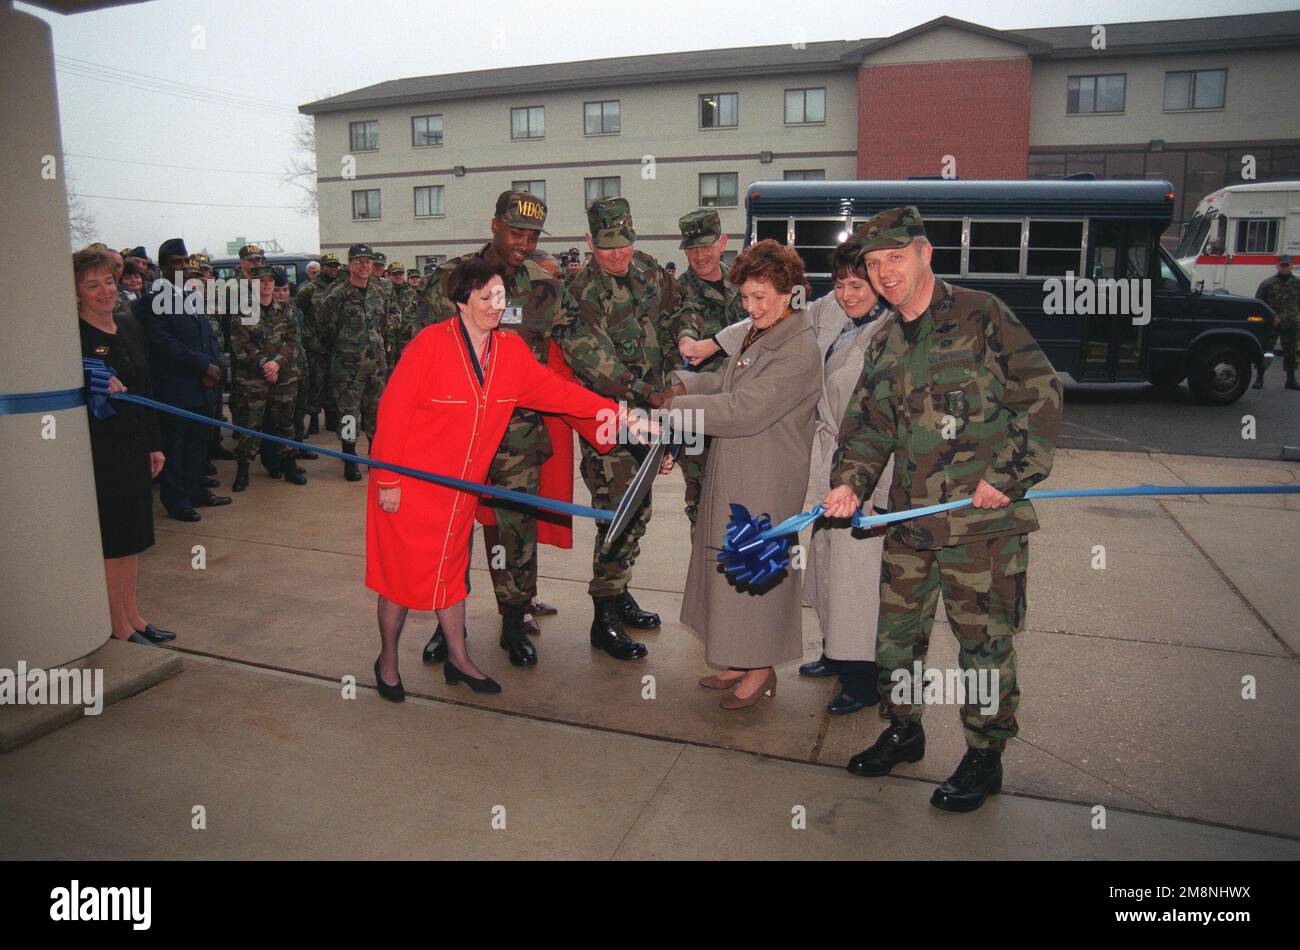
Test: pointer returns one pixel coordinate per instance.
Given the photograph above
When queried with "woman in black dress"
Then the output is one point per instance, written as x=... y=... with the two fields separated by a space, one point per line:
x=125 y=447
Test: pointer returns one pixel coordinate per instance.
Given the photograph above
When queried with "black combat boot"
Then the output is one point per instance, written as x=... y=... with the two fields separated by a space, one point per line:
x=241 y=476
x=293 y=473
x=630 y=612
x=351 y=471
x=435 y=651
x=609 y=636
x=901 y=742
x=977 y=777
x=513 y=639
x=1290 y=380
x=1259 y=378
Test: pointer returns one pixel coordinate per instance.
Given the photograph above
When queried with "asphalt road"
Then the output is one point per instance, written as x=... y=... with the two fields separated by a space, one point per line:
x=1144 y=418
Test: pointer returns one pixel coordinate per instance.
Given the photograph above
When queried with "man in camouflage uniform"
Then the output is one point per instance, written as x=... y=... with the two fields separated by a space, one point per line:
x=1282 y=293
x=411 y=307
x=266 y=378
x=404 y=303
x=621 y=341
x=356 y=311
x=534 y=300
x=956 y=389
x=705 y=287
x=317 y=337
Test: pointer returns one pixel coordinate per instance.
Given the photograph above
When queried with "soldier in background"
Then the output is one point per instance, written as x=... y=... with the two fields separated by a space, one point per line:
x=958 y=392
x=705 y=288
x=266 y=379
x=620 y=341
x=405 y=302
x=355 y=310
x=1282 y=293
x=318 y=338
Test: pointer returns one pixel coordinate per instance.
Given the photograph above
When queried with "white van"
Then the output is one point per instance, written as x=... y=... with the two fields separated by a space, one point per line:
x=1233 y=240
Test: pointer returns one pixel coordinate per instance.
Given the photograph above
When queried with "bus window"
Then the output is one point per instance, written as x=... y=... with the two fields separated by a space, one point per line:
x=1055 y=247
x=1218 y=237
x=1256 y=236
x=1194 y=236
x=815 y=239
x=945 y=236
x=994 y=248
x=1168 y=280
x=773 y=229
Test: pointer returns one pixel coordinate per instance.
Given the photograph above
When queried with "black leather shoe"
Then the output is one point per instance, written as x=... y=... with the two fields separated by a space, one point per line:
x=539 y=609
x=294 y=475
x=213 y=501
x=435 y=651
x=901 y=742
x=241 y=477
x=137 y=638
x=977 y=777
x=351 y=471
x=209 y=469
x=394 y=694
x=210 y=483
x=513 y=639
x=532 y=629
x=843 y=704
x=630 y=613
x=822 y=666
x=189 y=514
x=609 y=636
x=154 y=635
x=453 y=675
x=305 y=453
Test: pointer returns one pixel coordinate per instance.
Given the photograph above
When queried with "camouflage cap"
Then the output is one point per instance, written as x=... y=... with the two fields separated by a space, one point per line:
x=360 y=250
x=264 y=270
x=328 y=258
x=198 y=260
x=413 y=273
x=699 y=228
x=521 y=209
x=610 y=223
x=251 y=250
x=895 y=227
x=1284 y=259
x=396 y=267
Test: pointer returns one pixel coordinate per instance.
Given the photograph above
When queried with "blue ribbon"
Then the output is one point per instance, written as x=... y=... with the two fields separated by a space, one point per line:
x=98 y=373
x=16 y=404
x=747 y=549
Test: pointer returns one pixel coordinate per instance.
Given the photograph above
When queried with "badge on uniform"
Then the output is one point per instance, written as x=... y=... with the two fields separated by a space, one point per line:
x=101 y=350
x=743 y=363
x=513 y=315
x=954 y=403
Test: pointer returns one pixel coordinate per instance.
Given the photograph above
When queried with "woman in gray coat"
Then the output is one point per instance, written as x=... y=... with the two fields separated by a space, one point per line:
x=843 y=561
x=760 y=412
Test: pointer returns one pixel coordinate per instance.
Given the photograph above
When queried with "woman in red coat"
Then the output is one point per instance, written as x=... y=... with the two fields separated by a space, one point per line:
x=445 y=411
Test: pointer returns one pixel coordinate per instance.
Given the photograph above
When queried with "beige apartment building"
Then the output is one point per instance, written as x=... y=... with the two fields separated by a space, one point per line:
x=413 y=166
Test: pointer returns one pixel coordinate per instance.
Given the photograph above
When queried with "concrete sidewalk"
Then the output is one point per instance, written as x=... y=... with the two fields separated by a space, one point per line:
x=1131 y=676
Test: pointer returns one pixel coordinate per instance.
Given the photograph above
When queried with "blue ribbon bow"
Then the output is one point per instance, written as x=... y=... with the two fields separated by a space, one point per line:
x=98 y=374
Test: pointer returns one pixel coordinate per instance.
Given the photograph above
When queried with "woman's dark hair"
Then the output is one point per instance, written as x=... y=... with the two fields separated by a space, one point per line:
x=89 y=259
x=133 y=268
x=848 y=259
x=775 y=263
x=471 y=274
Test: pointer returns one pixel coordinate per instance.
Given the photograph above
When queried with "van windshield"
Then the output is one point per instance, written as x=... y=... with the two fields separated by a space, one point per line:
x=1194 y=236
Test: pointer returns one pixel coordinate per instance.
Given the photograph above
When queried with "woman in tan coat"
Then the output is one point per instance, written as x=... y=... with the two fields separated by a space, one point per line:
x=760 y=411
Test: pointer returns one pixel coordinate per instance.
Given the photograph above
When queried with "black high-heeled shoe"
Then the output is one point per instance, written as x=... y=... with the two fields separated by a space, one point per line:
x=453 y=675
x=394 y=694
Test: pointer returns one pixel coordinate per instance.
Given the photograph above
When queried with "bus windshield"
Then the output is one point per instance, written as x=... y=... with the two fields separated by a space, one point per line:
x=1194 y=235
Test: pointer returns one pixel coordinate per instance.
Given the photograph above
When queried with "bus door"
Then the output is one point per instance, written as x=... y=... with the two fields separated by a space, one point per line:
x=1118 y=250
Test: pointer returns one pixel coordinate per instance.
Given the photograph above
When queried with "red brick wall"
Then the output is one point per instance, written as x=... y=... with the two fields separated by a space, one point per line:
x=911 y=115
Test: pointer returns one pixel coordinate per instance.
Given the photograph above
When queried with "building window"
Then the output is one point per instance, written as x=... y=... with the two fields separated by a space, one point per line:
x=428 y=201
x=537 y=187
x=1055 y=247
x=528 y=122
x=1198 y=89
x=805 y=174
x=719 y=110
x=1258 y=236
x=363 y=136
x=365 y=204
x=944 y=235
x=718 y=190
x=597 y=188
x=600 y=118
x=804 y=106
x=426 y=130
x=1090 y=94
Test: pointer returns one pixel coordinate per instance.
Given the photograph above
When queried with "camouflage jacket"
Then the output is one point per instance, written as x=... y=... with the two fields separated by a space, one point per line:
x=408 y=302
x=972 y=398
x=716 y=310
x=356 y=316
x=534 y=301
x=274 y=336
x=1283 y=296
x=620 y=333
x=308 y=299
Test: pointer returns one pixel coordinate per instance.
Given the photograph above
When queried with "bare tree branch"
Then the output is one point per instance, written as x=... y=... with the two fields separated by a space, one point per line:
x=300 y=170
x=81 y=220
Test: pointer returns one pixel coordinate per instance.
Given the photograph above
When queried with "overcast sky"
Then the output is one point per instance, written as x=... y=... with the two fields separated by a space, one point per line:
x=221 y=127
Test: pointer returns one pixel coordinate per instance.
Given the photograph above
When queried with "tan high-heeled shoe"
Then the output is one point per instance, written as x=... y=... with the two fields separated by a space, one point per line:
x=768 y=688
x=715 y=681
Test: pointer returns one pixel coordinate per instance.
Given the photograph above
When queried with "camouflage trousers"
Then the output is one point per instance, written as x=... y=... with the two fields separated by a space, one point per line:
x=304 y=365
x=266 y=407
x=693 y=471
x=357 y=382
x=319 y=394
x=607 y=477
x=1285 y=339
x=514 y=567
x=983 y=586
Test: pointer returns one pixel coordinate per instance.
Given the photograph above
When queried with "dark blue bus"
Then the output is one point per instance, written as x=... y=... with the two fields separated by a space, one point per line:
x=1012 y=237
